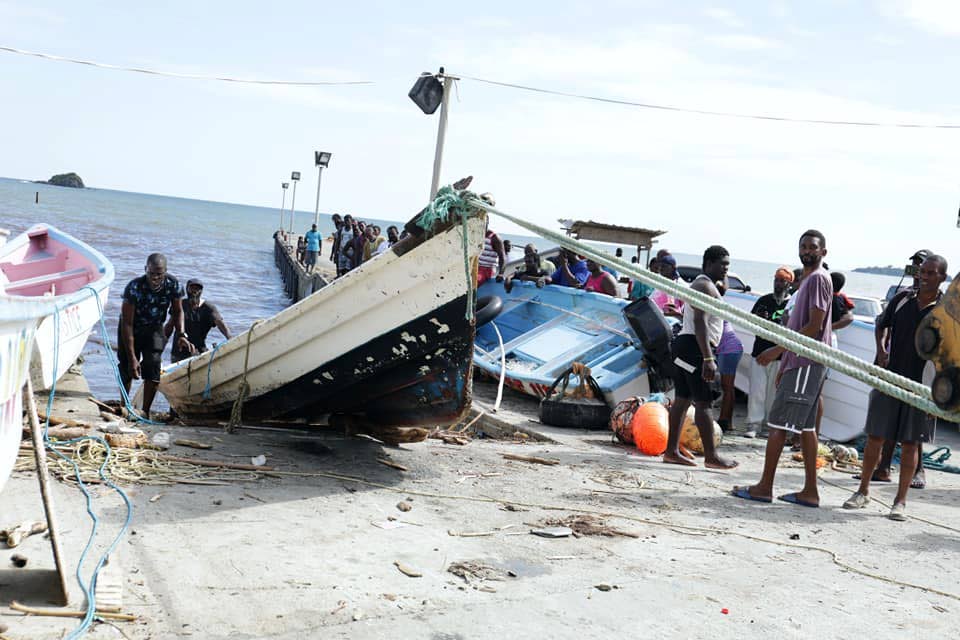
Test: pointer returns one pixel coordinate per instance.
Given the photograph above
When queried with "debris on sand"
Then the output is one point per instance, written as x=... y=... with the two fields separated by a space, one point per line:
x=586 y=525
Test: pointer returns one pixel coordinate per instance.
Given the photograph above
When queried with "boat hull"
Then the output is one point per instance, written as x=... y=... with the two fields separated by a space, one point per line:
x=47 y=263
x=388 y=343
x=546 y=330
x=18 y=322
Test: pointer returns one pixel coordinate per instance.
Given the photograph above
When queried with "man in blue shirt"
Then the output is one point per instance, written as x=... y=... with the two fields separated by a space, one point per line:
x=572 y=271
x=313 y=247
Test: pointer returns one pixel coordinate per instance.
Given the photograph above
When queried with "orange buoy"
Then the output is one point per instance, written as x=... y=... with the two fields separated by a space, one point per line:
x=650 y=426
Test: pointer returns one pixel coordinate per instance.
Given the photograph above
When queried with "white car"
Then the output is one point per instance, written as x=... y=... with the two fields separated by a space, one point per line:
x=866 y=309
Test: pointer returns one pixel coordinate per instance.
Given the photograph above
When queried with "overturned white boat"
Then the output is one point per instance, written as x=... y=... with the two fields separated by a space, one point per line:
x=389 y=343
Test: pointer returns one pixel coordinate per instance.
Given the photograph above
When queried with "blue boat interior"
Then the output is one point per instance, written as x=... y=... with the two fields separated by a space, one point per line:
x=545 y=330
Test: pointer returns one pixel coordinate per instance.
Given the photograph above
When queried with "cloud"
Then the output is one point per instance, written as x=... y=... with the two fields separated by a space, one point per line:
x=741 y=42
x=724 y=16
x=941 y=17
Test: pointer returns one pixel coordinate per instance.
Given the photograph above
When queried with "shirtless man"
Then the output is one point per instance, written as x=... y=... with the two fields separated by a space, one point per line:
x=694 y=356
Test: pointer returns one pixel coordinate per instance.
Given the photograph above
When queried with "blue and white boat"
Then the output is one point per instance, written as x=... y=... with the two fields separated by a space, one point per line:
x=545 y=330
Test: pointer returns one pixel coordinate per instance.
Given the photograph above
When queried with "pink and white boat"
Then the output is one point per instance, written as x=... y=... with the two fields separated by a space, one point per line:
x=18 y=323
x=47 y=263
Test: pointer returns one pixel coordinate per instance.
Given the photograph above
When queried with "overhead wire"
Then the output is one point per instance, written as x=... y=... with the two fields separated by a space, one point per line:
x=711 y=112
x=188 y=76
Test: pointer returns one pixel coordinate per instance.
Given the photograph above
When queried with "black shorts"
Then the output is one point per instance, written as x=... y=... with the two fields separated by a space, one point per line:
x=795 y=406
x=897 y=421
x=148 y=344
x=688 y=370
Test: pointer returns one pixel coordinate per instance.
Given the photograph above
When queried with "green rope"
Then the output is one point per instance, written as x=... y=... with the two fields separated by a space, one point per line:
x=892 y=384
x=448 y=202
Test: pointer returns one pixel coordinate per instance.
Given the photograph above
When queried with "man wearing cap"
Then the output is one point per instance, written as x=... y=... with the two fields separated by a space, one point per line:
x=763 y=378
x=199 y=317
x=670 y=305
x=882 y=333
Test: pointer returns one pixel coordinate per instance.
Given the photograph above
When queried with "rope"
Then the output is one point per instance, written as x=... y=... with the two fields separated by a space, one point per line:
x=206 y=389
x=112 y=358
x=237 y=410
x=503 y=368
x=170 y=74
x=722 y=114
x=894 y=385
x=89 y=589
x=445 y=204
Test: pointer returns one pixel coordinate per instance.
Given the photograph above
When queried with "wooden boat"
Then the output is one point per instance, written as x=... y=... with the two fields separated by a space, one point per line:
x=545 y=330
x=387 y=345
x=47 y=263
x=19 y=318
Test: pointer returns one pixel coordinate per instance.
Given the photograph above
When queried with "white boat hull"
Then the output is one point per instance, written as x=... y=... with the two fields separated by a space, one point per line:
x=18 y=322
x=74 y=323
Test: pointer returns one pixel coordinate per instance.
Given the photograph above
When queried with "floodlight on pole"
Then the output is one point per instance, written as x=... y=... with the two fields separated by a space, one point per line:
x=428 y=93
x=295 y=177
x=283 y=204
x=322 y=159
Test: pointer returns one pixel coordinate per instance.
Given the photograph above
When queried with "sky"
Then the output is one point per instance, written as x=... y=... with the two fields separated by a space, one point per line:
x=877 y=193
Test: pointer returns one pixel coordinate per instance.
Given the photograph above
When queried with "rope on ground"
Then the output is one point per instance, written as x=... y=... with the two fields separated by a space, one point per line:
x=892 y=384
x=680 y=528
x=237 y=410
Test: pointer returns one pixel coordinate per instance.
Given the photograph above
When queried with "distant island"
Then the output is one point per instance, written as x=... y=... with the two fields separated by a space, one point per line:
x=65 y=180
x=888 y=270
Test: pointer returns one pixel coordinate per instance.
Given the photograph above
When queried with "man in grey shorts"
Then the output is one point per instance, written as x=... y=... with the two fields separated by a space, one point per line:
x=794 y=408
x=891 y=420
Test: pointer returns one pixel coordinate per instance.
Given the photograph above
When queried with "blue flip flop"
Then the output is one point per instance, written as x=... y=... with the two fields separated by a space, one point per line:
x=744 y=494
x=793 y=499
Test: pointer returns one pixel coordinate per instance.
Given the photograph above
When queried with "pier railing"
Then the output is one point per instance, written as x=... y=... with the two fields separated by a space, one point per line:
x=297 y=283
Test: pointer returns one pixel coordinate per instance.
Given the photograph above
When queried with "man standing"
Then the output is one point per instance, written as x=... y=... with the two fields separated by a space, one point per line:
x=200 y=317
x=492 y=259
x=696 y=367
x=891 y=420
x=335 y=249
x=800 y=381
x=373 y=242
x=345 y=246
x=140 y=342
x=882 y=336
x=313 y=247
x=763 y=379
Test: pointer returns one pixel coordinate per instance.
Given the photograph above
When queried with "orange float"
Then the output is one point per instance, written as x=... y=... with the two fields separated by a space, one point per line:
x=650 y=427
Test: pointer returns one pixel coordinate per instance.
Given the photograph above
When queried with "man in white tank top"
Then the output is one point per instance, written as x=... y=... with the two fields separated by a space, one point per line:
x=694 y=356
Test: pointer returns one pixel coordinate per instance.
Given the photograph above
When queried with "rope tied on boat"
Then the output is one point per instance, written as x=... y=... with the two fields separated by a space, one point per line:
x=206 y=389
x=237 y=410
x=885 y=381
x=449 y=202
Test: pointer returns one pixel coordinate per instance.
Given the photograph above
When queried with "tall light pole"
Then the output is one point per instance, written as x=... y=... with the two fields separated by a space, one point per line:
x=283 y=205
x=322 y=158
x=295 y=176
x=428 y=93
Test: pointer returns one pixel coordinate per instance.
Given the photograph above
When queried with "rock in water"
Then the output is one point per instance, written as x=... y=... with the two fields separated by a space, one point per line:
x=66 y=180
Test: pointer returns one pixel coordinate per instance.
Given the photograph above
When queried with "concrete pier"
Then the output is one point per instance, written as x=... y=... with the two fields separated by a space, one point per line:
x=297 y=283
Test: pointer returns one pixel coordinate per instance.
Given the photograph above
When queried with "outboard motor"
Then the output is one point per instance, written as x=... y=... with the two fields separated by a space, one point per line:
x=655 y=335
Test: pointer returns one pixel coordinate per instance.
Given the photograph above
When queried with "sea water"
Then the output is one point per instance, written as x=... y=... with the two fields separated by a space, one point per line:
x=230 y=248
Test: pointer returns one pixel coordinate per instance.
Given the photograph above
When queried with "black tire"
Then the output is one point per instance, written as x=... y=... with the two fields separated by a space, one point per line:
x=488 y=308
x=587 y=413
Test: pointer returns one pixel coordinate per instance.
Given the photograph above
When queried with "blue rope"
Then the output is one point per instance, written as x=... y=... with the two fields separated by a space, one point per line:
x=206 y=389
x=89 y=589
x=112 y=358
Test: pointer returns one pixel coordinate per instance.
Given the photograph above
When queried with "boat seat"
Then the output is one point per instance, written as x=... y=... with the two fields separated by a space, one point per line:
x=45 y=280
x=17 y=271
